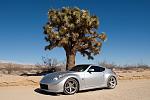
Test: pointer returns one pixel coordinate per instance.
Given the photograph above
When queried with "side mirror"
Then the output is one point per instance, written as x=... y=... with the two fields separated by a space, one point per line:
x=91 y=70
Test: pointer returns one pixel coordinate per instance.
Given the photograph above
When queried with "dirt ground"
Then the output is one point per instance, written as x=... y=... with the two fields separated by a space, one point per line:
x=125 y=90
x=132 y=85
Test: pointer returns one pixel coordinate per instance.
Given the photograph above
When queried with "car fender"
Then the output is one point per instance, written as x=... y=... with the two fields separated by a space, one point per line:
x=107 y=76
x=80 y=81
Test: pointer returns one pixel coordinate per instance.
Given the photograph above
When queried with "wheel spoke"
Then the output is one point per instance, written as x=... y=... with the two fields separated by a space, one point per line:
x=73 y=88
x=112 y=84
x=112 y=79
x=70 y=87
x=70 y=90
x=67 y=87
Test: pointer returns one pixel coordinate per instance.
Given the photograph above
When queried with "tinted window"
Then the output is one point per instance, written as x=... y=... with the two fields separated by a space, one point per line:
x=80 y=68
x=97 y=68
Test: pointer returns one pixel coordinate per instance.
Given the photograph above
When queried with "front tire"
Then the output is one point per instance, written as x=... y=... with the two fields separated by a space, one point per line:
x=71 y=86
x=112 y=82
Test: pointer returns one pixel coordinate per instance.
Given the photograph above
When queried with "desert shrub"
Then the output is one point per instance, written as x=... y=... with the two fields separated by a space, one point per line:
x=9 y=68
x=124 y=67
x=143 y=66
x=50 y=65
x=107 y=65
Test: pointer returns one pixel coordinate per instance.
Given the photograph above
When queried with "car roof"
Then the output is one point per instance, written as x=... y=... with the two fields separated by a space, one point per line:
x=85 y=64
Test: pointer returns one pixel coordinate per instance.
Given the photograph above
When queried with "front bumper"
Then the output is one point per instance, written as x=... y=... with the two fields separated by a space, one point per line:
x=52 y=86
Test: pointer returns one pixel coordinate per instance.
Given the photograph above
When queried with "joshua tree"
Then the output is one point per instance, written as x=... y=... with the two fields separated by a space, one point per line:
x=75 y=30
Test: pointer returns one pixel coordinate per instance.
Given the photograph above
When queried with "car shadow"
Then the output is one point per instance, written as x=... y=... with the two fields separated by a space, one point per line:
x=38 y=90
x=92 y=90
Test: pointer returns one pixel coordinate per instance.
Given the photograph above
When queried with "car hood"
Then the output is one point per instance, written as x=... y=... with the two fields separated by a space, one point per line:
x=54 y=74
x=51 y=76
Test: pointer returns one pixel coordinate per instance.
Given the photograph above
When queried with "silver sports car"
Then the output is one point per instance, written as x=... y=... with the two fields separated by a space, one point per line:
x=80 y=77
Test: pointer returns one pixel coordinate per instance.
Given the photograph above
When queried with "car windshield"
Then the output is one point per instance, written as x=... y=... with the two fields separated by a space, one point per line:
x=79 y=68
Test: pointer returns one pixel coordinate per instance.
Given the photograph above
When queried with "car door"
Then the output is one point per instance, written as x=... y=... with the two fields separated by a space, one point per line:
x=94 y=78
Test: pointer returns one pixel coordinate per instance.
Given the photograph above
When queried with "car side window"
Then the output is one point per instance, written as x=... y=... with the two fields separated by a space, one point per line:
x=97 y=68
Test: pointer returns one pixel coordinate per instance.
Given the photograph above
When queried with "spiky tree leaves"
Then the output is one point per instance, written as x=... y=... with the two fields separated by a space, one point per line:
x=75 y=30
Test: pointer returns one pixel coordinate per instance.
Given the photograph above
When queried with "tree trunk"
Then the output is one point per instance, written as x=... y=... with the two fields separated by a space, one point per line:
x=70 y=60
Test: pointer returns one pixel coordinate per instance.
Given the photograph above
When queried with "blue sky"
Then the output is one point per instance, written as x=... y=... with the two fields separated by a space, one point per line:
x=126 y=22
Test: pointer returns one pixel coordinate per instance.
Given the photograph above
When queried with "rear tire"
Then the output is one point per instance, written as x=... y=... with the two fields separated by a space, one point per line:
x=112 y=82
x=71 y=86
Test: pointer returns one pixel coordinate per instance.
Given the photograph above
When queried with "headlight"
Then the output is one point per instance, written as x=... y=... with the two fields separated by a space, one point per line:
x=55 y=78
x=58 y=77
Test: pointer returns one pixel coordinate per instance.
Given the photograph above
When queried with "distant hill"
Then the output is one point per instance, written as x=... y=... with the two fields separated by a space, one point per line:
x=14 y=62
x=7 y=67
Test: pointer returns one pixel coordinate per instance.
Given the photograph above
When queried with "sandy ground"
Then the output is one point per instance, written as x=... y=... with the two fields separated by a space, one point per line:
x=133 y=74
x=15 y=80
x=125 y=90
x=132 y=85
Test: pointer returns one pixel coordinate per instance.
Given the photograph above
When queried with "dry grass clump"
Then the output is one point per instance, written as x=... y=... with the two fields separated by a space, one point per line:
x=10 y=68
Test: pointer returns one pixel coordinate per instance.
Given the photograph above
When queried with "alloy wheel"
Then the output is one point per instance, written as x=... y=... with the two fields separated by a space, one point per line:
x=112 y=82
x=70 y=86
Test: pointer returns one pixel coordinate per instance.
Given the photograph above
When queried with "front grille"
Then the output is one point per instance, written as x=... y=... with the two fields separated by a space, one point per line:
x=44 y=86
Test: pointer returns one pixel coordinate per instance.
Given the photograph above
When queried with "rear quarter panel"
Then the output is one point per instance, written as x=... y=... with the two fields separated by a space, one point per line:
x=108 y=74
